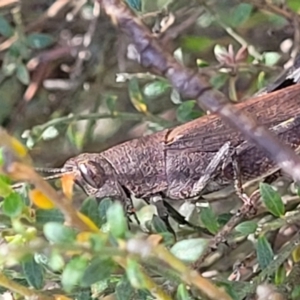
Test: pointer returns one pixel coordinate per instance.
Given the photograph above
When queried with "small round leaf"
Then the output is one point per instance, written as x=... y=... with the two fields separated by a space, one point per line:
x=116 y=220
x=271 y=199
x=34 y=273
x=73 y=273
x=189 y=250
x=13 y=205
x=39 y=40
x=58 y=233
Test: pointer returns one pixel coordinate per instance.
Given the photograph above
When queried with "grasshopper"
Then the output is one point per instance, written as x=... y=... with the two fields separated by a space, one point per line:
x=190 y=160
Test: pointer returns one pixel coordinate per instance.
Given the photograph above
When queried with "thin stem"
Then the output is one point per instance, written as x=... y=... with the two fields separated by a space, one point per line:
x=22 y=290
x=97 y=116
x=147 y=281
x=189 y=276
x=23 y=172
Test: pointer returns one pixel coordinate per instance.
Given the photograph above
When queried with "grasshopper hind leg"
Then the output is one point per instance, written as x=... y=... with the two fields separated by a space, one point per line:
x=162 y=211
x=166 y=210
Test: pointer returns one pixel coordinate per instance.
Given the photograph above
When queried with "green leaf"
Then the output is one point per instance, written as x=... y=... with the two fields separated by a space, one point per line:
x=13 y=205
x=74 y=136
x=185 y=111
x=19 y=50
x=5 y=179
x=271 y=199
x=168 y=238
x=297 y=188
x=196 y=43
x=111 y=103
x=90 y=209
x=98 y=270
x=156 y=88
x=85 y=294
x=209 y=220
x=295 y=295
x=39 y=40
x=1 y=157
x=218 y=80
x=233 y=288
x=136 y=96
x=33 y=272
x=44 y=216
x=158 y=224
x=49 y=133
x=271 y=58
x=22 y=74
x=294 y=5
x=264 y=251
x=56 y=261
x=201 y=63
x=98 y=242
x=134 y=274
x=5 y=28
x=240 y=14
x=73 y=273
x=5 y=188
x=261 y=80
x=223 y=219
x=182 y=293
x=189 y=250
x=58 y=233
x=280 y=275
x=9 y=64
x=246 y=227
x=135 y=4
x=124 y=290
x=103 y=207
x=116 y=220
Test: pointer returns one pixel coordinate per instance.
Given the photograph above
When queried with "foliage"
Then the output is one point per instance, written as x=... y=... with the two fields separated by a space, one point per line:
x=68 y=85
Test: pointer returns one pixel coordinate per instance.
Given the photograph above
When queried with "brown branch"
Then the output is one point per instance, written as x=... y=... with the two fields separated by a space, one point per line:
x=192 y=86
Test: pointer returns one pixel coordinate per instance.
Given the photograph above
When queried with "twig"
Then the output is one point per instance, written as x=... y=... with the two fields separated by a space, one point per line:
x=8 y=3
x=22 y=172
x=221 y=236
x=94 y=116
x=147 y=281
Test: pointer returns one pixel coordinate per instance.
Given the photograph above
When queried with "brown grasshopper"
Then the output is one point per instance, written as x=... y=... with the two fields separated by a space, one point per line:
x=190 y=160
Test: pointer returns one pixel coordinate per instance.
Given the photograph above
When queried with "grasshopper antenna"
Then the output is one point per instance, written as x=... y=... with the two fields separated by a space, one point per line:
x=58 y=172
x=59 y=175
x=50 y=170
x=55 y=176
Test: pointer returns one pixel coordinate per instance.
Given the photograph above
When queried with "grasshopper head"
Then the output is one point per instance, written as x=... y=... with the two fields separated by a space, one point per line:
x=87 y=172
x=93 y=174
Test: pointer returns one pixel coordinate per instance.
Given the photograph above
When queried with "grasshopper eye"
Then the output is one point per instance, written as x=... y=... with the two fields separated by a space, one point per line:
x=91 y=174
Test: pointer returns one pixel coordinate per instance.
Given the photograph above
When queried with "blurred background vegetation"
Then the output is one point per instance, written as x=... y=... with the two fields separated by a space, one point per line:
x=68 y=85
